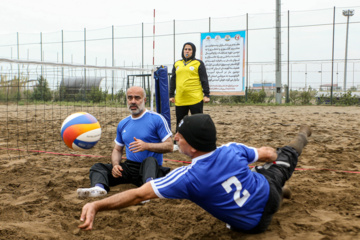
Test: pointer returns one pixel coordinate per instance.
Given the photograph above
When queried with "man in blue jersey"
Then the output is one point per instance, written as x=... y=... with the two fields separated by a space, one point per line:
x=146 y=136
x=218 y=179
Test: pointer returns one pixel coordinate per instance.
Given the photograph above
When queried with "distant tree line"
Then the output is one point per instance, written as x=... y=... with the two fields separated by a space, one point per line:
x=16 y=90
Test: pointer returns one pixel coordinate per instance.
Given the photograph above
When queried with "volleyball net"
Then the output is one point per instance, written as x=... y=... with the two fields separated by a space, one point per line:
x=35 y=98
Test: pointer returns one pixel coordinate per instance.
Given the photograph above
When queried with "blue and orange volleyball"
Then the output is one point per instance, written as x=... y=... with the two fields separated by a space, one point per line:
x=80 y=131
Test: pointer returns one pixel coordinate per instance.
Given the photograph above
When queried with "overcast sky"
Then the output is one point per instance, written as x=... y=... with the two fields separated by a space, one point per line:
x=34 y=16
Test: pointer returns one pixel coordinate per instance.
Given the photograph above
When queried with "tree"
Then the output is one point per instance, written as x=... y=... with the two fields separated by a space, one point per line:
x=96 y=95
x=42 y=91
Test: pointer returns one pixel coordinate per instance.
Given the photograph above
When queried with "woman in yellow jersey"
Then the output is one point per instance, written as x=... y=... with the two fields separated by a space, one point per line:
x=189 y=86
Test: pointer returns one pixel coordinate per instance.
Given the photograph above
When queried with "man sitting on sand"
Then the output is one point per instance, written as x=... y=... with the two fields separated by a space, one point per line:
x=218 y=179
x=145 y=135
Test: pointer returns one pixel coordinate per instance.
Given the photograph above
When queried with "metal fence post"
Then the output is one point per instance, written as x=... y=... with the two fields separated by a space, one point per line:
x=62 y=55
x=278 y=52
x=209 y=24
x=41 y=53
x=85 y=62
x=332 y=61
x=112 y=61
x=18 y=57
x=288 y=63
x=247 y=57
x=174 y=32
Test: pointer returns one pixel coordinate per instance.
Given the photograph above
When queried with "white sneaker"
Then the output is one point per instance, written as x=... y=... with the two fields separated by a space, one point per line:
x=145 y=201
x=91 y=192
x=176 y=148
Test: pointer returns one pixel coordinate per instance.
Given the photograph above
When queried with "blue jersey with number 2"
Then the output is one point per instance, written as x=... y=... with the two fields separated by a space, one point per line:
x=221 y=183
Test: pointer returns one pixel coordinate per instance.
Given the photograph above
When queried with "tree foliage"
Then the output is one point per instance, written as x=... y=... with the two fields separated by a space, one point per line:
x=41 y=91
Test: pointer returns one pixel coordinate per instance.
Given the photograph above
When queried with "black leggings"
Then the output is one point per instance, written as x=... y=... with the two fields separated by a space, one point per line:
x=277 y=175
x=133 y=172
x=182 y=111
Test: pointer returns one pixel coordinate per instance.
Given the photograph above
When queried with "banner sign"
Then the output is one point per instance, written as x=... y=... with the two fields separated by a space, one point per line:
x=223 y=54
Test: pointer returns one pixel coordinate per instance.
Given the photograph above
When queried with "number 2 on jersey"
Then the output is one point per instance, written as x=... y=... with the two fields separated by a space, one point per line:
x=234 y=181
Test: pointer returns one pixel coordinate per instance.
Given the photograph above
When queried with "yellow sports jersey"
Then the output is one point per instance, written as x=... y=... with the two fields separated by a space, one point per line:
x=189 y=90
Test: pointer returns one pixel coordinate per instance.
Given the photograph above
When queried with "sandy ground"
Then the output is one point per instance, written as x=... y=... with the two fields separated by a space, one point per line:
x=38 y=190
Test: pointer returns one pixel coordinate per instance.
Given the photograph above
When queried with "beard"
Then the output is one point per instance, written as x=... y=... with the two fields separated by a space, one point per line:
x=140 y=108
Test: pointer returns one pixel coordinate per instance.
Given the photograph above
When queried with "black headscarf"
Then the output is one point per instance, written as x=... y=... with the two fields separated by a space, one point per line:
x=193 y=52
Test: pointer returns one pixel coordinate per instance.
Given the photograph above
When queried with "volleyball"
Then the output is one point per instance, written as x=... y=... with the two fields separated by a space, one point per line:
x=80 y=131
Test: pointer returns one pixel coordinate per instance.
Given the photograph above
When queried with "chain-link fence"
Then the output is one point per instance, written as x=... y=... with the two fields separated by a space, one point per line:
x=313 y=45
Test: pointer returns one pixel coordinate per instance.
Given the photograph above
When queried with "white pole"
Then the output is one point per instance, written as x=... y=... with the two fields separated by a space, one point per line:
x=346 y=52
x=152 y=88
x=278 y=52
x=348 y=14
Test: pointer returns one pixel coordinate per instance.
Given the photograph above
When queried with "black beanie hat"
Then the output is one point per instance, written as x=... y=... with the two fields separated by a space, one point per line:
x=199 y=131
